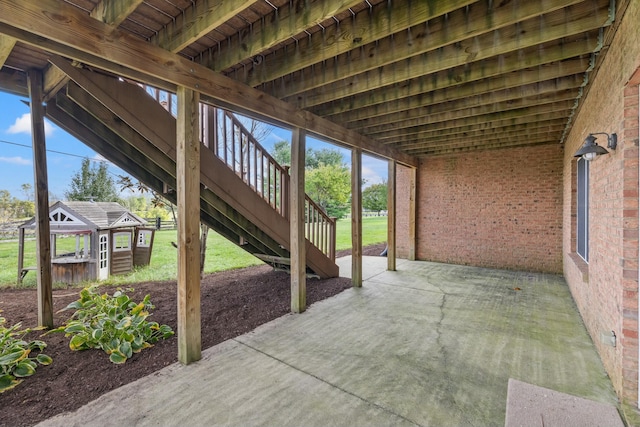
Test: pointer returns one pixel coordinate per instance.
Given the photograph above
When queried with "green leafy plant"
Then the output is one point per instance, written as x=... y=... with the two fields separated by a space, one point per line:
x=16 y=360
x=115 y=324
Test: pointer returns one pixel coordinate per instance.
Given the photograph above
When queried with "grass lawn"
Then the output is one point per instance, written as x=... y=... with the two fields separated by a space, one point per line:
x=221 y=254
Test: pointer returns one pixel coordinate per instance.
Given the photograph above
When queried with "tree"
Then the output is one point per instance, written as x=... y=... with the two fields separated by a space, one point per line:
x=327 y=181
x=92 y=183
x=330 y=187
x=282 y=153
x=374 y=197
x=12 y=208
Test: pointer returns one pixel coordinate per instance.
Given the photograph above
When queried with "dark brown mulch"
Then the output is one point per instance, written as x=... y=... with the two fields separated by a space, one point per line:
x=232 y=303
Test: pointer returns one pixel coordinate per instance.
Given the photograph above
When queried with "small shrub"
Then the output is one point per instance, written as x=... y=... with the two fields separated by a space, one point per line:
x=16 y=360
x=115 y=324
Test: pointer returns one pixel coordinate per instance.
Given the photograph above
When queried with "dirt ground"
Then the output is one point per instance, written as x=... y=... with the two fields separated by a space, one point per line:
x=232 y=303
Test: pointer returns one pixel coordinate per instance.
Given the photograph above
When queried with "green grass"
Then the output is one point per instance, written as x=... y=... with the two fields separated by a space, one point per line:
x=374 y=230
x=221 y=254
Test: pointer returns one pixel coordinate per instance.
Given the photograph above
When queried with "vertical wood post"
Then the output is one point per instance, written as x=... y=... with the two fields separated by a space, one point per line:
x=413 y=172
x=43 y=246
x=20 y=254
x=188 y=197
x=356 y=217
x=296 y=221
x=391 y=216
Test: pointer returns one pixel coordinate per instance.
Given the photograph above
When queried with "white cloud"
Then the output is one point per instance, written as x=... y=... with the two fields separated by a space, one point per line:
x=23 y=125
x=15 y=160
x=371 y=176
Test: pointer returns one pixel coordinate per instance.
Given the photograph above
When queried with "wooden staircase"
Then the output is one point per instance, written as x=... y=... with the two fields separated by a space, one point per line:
x=243 y=190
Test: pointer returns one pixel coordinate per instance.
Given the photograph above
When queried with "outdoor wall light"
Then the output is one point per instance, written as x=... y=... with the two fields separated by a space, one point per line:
x=590 y=149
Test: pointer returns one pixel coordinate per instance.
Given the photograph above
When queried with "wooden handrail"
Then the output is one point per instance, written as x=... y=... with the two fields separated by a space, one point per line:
x=229 y=139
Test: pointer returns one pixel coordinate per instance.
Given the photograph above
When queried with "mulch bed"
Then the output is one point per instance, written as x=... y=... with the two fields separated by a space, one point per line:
x=232 y=303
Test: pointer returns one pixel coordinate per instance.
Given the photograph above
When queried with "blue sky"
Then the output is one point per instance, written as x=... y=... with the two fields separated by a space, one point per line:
x=65 y=153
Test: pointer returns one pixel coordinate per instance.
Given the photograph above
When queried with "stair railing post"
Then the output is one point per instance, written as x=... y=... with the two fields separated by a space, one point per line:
x=332 y=238
x=284 y=197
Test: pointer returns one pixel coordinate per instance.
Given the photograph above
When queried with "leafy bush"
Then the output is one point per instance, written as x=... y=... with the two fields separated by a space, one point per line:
x=15 y=355
x=115 y=324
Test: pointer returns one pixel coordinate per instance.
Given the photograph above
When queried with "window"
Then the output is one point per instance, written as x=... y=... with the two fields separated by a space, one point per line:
x=582 y=222
x=144 y=238
x=121 y=241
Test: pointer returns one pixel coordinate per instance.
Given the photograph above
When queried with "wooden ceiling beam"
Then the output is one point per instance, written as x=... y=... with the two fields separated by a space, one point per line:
x=65 y=30
x=274 y=28
x=495 y=99
x=426 y=139
x=6 y=46
x=489 y=146
x=14 y=82
x=198 y=19
x=523 y=62
x=113 y=12
x=569 y=70
x=459 y=25
x=491 y=45
x=420 y=145
x=420 y=132
x=415 y=126
x=421 y=117
x=365 y=27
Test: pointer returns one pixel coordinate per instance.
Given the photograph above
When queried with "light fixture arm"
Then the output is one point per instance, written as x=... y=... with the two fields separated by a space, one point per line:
x=612 y=140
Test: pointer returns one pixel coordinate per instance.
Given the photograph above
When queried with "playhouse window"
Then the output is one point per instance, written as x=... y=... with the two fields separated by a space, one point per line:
x=144 y=238
x=121 y=242
x=72 y=245
x=582 y=221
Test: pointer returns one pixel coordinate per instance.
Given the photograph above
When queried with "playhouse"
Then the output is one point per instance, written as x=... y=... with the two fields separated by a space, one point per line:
x=91 y=240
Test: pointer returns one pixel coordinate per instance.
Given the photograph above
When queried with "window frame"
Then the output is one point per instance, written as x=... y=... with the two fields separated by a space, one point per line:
x=582 y=212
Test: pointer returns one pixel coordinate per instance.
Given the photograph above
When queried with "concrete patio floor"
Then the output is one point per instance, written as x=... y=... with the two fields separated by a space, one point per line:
x=429 y=344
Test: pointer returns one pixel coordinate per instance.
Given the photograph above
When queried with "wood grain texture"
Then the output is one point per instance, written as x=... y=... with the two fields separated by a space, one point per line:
x=356 y=218
x=188 y=194
x=297 y=222
x=366 y=27
x=391 y=216
x=461 y=24
x=41 y=189
x=71 y=33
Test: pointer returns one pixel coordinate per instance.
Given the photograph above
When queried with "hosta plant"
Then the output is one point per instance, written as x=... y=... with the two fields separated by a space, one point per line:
x=17 y=358
x=115 y=324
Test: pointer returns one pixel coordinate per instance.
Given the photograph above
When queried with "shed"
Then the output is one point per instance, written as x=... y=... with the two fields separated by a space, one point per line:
x=92 y=240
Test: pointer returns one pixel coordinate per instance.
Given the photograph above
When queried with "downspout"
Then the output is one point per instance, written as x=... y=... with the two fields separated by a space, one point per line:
x=592 y=65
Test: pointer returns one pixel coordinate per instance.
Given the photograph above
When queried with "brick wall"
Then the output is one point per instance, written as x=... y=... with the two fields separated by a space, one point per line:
x=606 y=290
x=478 y=208
x=499 y=209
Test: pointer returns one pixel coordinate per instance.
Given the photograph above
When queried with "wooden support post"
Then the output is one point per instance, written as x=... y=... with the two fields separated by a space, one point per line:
x=20 y=254
x=188 y=196
x=413 y=172
x=43 y=245
x=391 y=217
x=296 y=221
x=356 y=217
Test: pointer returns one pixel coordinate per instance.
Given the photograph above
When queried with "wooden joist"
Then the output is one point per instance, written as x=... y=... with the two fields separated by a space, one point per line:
x=509 y=67
x=113 y=12
x=512 y=39
x=6 y=46
x=87 y=40
x=460 y=25
x=198 y=19
x=275 y=28
x=366 y=27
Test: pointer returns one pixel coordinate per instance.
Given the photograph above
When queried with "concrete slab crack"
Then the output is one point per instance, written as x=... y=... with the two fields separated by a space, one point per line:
x=369 y=402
